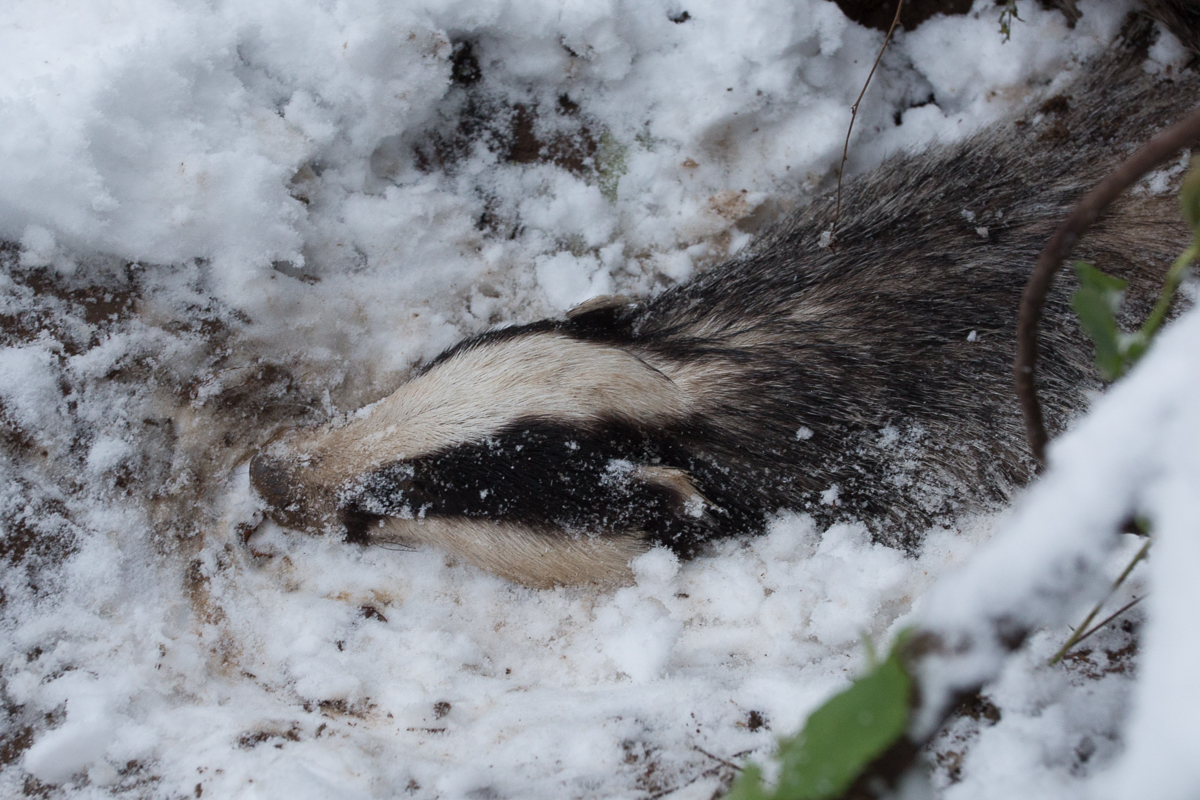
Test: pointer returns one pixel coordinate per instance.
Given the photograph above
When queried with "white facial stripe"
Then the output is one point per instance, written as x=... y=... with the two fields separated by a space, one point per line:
x=477 y=392
x=523 y=555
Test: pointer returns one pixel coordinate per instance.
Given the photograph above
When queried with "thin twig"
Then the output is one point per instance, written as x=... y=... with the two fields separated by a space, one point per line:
x=704 y=774
x=1151 y=155
x=1111 y=617
x=1078 y=635
x=837 y=211
x=729 y=764
x=672 y=789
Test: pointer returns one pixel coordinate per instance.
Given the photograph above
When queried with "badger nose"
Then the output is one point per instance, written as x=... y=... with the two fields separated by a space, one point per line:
x=270 y=479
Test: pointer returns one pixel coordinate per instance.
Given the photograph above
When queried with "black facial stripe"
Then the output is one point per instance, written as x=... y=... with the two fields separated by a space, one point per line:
x=547 y=474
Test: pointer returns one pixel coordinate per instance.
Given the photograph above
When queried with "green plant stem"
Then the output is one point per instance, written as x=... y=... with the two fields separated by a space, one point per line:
x=1079 y=633
x=1174 y=278
x=1162 y=147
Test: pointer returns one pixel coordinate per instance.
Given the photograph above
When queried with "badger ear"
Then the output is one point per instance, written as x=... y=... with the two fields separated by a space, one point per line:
x=688 y=500
x=604 y=302
x=604 y=319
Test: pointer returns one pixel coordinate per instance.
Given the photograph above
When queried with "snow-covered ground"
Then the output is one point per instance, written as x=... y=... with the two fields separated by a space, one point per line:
x=226 y=217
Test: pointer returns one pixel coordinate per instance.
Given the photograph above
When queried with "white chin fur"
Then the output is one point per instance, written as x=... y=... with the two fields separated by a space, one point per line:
x=521 y=554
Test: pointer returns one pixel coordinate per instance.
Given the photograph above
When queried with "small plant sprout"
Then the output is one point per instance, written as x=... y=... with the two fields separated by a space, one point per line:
x=1008 y=13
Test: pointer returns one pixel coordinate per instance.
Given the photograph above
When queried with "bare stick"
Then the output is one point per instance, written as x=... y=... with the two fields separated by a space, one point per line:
x=1111 y=617
x=729 y=764
x=1079 y=634
x=837 y=211
x=1151 y=155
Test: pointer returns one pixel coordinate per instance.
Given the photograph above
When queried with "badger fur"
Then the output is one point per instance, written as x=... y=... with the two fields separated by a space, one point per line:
x=868 y=381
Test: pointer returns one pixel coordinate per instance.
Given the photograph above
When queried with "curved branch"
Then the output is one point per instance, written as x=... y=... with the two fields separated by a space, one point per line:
x=1162 y=147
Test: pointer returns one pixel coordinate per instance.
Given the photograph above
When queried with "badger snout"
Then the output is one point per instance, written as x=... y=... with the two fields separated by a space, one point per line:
x=291 y=499
x=269 y=478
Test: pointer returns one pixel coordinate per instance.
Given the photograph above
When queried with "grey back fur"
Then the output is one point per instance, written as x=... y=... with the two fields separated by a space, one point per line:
x=895 y=348
x=867 y=381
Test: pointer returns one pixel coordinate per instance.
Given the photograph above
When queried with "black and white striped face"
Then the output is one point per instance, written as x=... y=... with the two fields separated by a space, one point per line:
x=535 y=453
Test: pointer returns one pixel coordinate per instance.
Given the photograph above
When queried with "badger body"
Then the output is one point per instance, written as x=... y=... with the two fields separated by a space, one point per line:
x=868 y=381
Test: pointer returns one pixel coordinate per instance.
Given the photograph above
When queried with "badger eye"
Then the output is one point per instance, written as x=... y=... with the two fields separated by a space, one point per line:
x=358 y=524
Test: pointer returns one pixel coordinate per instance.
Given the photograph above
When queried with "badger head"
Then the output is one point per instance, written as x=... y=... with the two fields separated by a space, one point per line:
x=542 y=453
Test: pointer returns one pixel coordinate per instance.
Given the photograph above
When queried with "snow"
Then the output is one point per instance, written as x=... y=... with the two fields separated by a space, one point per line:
x=238 y=237
x=1135 y=453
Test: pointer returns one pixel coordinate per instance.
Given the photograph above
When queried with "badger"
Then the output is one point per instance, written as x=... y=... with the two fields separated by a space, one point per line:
x=866 y=381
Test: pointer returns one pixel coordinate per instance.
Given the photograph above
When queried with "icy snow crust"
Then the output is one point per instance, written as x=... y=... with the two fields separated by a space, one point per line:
x=219 y=227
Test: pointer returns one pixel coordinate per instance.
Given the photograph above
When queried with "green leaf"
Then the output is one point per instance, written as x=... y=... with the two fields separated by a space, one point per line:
x=1111 y=285
x=1096 y=303
x=840 y=739
x=1189 y=196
